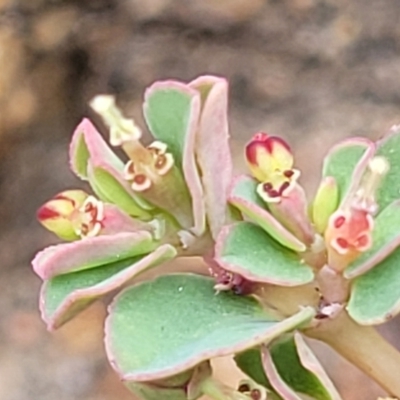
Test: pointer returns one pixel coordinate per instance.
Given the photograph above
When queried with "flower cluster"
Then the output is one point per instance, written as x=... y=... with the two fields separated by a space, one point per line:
x=165 y=199
x=346 y=227
x=280 y=264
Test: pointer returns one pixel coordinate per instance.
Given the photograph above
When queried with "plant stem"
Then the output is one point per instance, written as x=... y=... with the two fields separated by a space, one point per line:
x=364 y=347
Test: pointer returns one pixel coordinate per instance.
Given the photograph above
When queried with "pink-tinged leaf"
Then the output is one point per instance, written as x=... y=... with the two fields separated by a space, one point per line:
x=244 y=196
x=172 y=112
x=281 y=387
x=91 y=252
x=310 y=362
x=88 y=145
x=92 y=159
x=212 y=149
x=347 y=162
x=389 y=148
x=291 y=368
x=246 y=249
x=66 y=295
x=162 y=328
x=115 y=221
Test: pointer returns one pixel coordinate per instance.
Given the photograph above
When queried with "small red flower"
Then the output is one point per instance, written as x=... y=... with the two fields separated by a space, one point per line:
x=147 y=164
x=348 y=234
x=349 y=230
x=270 y=161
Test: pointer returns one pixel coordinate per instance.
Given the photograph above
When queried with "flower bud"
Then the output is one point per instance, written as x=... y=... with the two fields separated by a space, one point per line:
x=72 y=215
x=325 y=203
x=270 y=161
x=57 y=214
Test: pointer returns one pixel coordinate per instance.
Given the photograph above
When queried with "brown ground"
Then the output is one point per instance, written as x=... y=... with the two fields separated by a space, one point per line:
x=313 y=71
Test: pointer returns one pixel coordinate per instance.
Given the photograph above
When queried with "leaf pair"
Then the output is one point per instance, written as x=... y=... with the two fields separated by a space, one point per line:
x=76 y=274
x=192 y=120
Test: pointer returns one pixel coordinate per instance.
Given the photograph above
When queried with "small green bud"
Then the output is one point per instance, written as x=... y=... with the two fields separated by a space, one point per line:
x=325 y=203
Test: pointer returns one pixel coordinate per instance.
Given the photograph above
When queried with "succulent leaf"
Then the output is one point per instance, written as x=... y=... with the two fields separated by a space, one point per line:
x=375 y=295
x=91 y=252
x=184 y=324
x=64 y=296
x=110 y=190
x=245 y=249
x=244 y=197
x=172 y=112
x=290 y=368
x=92 y=159
x=347 y=162
x=212 y=149
x=388 y=147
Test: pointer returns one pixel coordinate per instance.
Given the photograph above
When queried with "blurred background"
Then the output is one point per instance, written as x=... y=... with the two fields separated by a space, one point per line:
x=313 y=71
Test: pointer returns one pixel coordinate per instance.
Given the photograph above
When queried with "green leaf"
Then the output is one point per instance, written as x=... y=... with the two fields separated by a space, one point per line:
x=169 y=109
x=250 y=363
x=389 y=147
x=279 y=384
x=375 y=296
x=172 y=111
x=92 y=159
x=244 y=197
x=385 y=239
x=245 y=249
x=346 y=162
x=66 y=295
x=291 y=367
x=110 y=190
x=161 y=328
x=91 y=252
x=325 y=203
x=81 y=157
x=294 y=368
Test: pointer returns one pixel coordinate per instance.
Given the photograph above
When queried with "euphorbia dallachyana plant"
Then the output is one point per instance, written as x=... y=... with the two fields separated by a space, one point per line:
x=280 y=269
